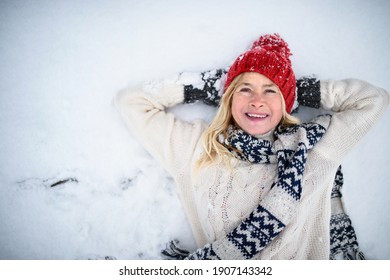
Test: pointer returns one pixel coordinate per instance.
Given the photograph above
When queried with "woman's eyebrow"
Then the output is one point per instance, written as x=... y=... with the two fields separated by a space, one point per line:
x=246 y=84
x=263 y=86
x=268 y=85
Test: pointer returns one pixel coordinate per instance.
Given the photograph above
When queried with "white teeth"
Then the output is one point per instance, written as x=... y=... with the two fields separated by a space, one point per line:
x=257 y=115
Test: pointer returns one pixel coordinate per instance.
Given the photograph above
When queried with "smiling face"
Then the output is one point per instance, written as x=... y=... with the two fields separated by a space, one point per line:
x=257 y=105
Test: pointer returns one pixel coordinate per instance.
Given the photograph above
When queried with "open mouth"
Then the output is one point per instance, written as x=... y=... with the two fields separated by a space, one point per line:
x=256 y=116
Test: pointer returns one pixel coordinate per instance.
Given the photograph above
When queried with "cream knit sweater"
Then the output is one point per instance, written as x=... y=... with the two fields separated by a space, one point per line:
x=217 y=199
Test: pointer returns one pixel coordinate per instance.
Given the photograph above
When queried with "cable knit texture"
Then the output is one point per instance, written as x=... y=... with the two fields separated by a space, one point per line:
x=217 y=199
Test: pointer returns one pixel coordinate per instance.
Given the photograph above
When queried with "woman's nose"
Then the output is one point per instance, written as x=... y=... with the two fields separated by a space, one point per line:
x=257 y=101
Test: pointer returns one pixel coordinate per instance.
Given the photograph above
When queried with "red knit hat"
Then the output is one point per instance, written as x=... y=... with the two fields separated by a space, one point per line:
x=268 y=56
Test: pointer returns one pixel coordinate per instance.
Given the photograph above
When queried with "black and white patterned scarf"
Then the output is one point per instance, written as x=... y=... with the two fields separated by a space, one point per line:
x=289 y=151
x=343 y=240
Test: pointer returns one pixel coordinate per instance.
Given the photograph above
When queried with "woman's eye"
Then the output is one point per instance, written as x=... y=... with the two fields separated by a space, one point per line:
x=245 y=90
x=270 y=91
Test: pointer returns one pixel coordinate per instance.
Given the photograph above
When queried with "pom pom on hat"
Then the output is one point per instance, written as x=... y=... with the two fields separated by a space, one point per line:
x=269 y=56
x=273 y=43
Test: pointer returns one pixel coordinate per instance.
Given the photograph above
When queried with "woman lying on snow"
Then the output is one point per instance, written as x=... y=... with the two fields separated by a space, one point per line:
x=256 y=184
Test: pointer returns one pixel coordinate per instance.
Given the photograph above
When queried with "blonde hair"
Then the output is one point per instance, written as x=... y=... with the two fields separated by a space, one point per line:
x=214 y=151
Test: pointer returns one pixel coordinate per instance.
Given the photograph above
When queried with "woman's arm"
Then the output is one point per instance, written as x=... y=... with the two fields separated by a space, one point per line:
x=357 y=106
x=170 y=140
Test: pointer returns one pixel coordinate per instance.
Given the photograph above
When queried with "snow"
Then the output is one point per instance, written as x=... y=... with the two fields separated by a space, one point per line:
x=61 y=64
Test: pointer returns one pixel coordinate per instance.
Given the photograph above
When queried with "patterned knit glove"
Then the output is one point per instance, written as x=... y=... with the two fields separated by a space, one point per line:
x=308 y=90
x=207 y=87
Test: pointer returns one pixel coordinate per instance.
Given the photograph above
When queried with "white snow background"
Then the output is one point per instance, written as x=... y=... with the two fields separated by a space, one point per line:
x=61 y=64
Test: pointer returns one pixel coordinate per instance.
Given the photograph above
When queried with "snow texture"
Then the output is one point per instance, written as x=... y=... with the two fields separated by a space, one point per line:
x=75 y=184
